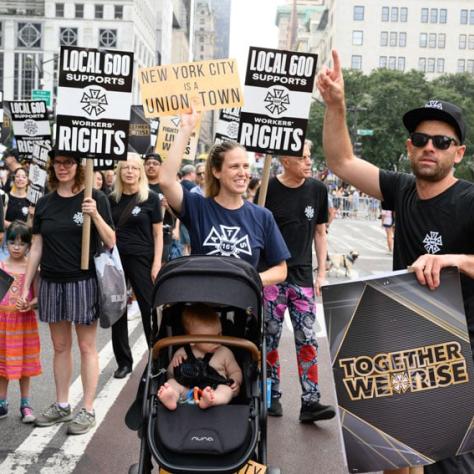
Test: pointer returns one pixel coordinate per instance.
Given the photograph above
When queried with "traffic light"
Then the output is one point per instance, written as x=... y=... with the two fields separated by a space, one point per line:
x=358 y=149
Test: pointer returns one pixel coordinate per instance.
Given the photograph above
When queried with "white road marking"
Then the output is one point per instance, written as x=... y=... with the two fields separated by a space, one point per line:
x=75 y=446
x=28 y=452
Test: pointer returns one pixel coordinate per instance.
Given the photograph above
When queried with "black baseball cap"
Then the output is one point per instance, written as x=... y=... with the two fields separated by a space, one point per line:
x=153 y=156
x=437 y=110
x=53 y=152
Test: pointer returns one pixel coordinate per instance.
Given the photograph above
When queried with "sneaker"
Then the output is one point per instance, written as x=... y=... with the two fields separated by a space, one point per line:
x=54 y=414
x=82 y=423
x=275 y=409
x=27 y=414
x=3 y=410
x=315 y=411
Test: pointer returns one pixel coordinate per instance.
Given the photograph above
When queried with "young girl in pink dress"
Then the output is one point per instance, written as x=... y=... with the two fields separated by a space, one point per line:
x=19 y=339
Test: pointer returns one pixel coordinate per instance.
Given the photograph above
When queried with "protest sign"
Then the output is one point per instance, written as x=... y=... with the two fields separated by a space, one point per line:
x=172 y=89
x=93 y=104
x=104 y=165
x=227 y=127
x=38 y=173
x=139 y=131
x=30 y=125
x=167 y=131
x=278 y=87
x=6 y=124
x=403 y=370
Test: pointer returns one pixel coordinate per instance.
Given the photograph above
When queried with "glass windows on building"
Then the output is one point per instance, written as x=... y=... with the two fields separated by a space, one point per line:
x=98 y=12
x=79 y=10
x=59 y=10
x=356 y=62
x=27 y=67
x=359 y=12
x=29 y=35
x=357 y=38
x=107 y=38
x=67 y=36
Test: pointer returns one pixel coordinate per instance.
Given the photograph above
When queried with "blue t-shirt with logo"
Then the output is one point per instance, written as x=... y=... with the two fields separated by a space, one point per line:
x=249 y=233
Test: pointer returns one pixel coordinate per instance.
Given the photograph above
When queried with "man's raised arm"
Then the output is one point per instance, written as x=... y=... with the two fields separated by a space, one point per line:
x=336 y=141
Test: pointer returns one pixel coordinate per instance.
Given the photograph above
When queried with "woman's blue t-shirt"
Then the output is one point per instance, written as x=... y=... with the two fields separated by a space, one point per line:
x=249 y=233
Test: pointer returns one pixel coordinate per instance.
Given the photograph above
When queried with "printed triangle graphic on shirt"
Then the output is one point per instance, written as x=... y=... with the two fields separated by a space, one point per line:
x=212 y=238
x=227 y=242
x=230 y=233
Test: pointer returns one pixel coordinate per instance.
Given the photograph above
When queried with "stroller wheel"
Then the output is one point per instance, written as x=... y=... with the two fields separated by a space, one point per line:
x=133 y=469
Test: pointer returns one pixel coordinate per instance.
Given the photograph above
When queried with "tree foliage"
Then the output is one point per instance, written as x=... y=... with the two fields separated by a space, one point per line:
x=378 y=102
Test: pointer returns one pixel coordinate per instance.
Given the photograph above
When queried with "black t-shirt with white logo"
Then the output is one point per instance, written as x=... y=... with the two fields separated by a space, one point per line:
x=135 y=236
x=440 y=225
x=297 y=211
x=59 y=222
x=17 y=209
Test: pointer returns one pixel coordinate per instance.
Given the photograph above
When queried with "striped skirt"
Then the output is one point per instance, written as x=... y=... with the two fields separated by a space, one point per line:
x=19 y=344
x=75 y=301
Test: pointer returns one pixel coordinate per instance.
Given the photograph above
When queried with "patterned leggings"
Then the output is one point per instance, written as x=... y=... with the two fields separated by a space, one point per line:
x=300 y=303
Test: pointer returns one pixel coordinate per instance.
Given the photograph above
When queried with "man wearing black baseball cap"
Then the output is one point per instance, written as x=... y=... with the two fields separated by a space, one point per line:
x=434 y=210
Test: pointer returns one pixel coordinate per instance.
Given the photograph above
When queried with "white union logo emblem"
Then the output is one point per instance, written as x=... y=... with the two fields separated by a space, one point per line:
x=227 y=242
x=433 y=242
x=277 y=99
x=95 y=100
x=136 y=211
x=78 y=218
x=309 y=212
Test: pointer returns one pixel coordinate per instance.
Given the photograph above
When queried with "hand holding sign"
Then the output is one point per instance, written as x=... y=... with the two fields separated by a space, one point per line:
x=189 y=121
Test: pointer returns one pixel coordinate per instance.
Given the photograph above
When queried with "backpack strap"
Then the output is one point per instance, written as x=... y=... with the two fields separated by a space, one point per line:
x=189 y=353
x=127 y=212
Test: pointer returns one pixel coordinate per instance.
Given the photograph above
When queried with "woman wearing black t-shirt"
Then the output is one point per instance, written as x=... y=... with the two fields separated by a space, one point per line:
x=67 y=294
x=137 y=217
x=17 y=208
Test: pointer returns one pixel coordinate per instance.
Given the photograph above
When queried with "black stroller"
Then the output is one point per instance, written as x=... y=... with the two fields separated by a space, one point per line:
x=221 y=439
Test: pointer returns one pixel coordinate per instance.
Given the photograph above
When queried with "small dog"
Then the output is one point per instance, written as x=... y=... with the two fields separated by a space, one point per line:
x=342 y=264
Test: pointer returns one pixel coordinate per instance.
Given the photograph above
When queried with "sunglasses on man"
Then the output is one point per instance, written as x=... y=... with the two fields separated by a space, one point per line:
x=441 y=142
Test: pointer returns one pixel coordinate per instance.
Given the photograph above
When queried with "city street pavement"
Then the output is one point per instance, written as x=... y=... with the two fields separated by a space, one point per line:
x=112 y=448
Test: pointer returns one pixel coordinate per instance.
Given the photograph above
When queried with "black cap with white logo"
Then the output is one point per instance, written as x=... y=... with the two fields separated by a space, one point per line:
x=437 y=110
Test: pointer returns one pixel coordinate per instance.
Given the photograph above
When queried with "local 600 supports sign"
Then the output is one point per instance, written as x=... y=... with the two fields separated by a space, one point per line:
x=30 y=125
x=94 y=99
x=403 y=370
x=278 y=87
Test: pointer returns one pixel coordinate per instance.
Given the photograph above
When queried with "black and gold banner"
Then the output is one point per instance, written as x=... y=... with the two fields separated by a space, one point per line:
x=403 y=370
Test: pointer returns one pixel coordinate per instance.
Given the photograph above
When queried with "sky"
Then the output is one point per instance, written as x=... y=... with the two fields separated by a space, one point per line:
x=252 y=23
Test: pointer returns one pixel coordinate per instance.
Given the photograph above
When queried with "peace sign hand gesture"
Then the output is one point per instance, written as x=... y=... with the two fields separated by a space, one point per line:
x=331 y=83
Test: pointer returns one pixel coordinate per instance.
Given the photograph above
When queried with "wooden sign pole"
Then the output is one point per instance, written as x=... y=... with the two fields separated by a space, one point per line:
x=86 y=226
x=262 y=193
x=417 y=470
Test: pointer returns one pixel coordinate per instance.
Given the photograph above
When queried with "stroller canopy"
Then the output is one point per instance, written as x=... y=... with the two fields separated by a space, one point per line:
x=218 y=280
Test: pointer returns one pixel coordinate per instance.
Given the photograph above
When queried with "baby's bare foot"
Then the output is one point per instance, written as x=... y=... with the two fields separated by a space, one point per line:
x=168 y=396
x=207 y=398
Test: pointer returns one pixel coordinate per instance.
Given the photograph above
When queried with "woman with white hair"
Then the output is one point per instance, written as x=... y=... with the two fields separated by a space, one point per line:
x=137 y=217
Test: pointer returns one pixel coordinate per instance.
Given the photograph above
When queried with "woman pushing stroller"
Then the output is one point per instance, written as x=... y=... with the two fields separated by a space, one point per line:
x=206 y=374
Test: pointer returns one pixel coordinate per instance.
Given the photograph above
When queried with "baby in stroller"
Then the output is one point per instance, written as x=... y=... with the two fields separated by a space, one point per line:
x=202 y=373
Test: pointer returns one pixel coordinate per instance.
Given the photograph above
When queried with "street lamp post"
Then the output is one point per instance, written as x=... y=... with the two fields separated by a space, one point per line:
x=39 y=68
